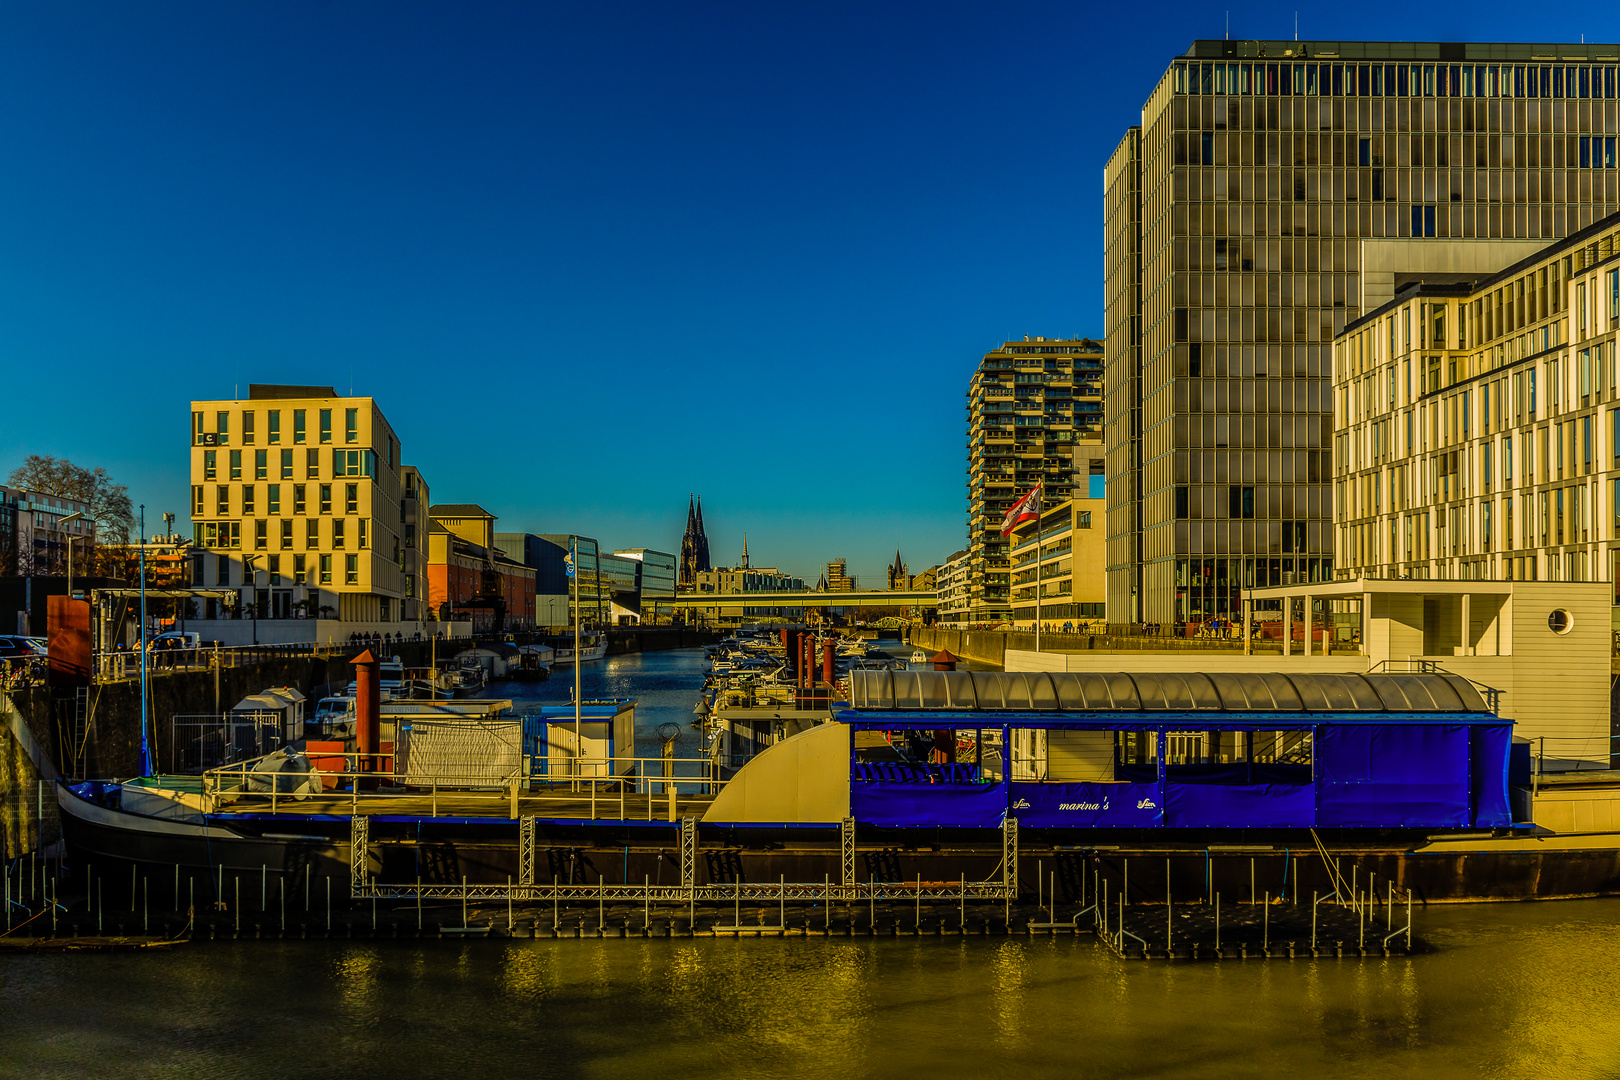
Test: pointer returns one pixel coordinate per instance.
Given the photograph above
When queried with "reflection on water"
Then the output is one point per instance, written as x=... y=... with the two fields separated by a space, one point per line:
x=1514 y=990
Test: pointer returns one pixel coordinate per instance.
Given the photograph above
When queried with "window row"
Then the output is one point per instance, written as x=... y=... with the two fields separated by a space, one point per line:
x=228 y=534
x=247 y=499
x=344 y=463
x=1396 y=80
x=225 y=573
x=221 y=434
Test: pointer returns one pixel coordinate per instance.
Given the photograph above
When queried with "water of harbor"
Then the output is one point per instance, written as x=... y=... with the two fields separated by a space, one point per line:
x=1521 y=990
x=1511 y=990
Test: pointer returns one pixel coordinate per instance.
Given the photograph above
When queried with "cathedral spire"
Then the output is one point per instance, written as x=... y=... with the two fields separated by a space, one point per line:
x=745 y=551
x=694 y=545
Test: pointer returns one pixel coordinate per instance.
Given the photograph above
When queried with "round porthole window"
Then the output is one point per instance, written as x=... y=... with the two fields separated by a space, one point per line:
x=1560 y=621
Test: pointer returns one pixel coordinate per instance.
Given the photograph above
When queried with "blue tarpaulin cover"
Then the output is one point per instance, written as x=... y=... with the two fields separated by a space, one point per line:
x=1393 y=776
x=1240 y=806
x=967 y=806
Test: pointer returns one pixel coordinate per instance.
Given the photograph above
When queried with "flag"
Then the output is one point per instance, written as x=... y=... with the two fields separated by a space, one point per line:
x=1026 y=509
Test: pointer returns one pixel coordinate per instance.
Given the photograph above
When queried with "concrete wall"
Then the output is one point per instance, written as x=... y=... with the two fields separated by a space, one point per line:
x=1138 y=660
x=1443 y=259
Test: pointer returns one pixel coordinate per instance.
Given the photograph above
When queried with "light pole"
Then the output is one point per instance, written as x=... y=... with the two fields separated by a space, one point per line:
x=75 y=516
x=252 y=583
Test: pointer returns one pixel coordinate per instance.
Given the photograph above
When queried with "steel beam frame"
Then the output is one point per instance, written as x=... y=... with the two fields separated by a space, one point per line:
x=846 y=832
x=359 y=855
x=526 y=851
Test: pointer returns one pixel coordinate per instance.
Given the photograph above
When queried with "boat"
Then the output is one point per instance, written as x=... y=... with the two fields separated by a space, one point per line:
x=1411 y=776
x=332 y=715
x=592 y=647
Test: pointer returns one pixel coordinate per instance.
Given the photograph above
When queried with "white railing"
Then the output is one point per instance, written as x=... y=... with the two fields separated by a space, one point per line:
x=586 y=787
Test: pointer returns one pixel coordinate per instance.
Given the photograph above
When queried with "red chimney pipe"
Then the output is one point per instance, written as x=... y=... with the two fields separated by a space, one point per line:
x=367 y=712
x=827 y=653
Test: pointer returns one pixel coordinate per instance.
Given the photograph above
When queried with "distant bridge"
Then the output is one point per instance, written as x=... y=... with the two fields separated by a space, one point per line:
x=860 y=598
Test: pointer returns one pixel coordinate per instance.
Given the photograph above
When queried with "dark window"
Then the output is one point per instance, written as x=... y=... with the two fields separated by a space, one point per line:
x=1181 y=502
x=1364 y=151
x=1240 y=502
x=1206 y=154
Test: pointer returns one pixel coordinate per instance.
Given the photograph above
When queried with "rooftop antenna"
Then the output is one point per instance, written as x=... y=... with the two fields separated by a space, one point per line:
x=1296 y=26
x=1229 y=25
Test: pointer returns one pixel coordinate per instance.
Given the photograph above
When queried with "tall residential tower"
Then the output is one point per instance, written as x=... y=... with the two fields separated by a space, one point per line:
x=1273 y=192
x=1034 y=415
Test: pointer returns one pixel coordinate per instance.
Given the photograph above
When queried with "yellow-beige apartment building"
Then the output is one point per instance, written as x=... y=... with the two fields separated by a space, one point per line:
x=301 y=505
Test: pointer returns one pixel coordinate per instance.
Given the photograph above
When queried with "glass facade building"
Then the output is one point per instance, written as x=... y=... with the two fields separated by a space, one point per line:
x=1478 y=433
x=1235 y=221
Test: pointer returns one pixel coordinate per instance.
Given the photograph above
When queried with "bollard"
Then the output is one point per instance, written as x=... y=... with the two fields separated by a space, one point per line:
x=328 y=907
x=1265 y=925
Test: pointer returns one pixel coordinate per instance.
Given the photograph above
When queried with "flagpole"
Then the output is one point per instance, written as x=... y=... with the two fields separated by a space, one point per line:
x=579 y=739
x=1039 y=535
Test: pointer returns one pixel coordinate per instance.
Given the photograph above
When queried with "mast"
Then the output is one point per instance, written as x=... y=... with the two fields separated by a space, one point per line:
x=146 y=748
x=579 y=739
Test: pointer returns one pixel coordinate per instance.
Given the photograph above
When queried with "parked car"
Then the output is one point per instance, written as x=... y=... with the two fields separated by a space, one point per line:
x=176 y=639
x=16 y=647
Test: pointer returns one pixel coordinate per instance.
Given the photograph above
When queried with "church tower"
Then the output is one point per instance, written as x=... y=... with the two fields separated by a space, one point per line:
x=899 y=576
x=694 y=545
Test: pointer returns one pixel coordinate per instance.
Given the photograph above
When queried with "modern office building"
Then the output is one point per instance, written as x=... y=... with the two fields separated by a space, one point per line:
x=1034 y=416
x=296 y=502
x=655 y=580
x=1477 y=426
x=954 y=590
x=1270 y=196
x=1063 y=559
x=37 y=530
x=557 y=594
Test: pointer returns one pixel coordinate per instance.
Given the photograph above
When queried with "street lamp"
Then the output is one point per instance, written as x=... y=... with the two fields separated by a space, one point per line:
x=252 y=589
x=76 y=515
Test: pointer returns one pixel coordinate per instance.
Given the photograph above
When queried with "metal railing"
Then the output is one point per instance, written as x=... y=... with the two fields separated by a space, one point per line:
x=585 y=787
x=112 y=665
x=1578 y=752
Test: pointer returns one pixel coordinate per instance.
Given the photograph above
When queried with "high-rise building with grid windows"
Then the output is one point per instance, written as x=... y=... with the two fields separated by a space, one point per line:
x=1034 y=417
x=1249 y=218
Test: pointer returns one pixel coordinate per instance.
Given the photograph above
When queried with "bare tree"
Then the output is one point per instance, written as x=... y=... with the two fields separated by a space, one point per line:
x=110 y=506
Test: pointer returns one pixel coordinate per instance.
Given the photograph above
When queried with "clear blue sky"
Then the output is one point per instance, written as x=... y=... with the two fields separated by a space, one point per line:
x=589 y=257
